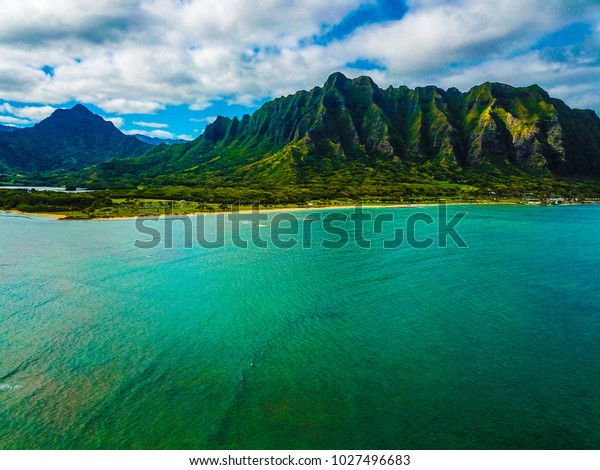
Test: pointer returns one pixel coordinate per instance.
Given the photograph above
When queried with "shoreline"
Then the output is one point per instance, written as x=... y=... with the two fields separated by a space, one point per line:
x=280 y=209
x=246 y=211
x=288 y=209
x=35 y=214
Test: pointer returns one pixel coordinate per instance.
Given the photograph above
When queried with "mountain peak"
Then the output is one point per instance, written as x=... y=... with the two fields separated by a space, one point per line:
x=69 y=138
x=365 y=79
x=80 y=109
x=77 y=112
x=335 y=80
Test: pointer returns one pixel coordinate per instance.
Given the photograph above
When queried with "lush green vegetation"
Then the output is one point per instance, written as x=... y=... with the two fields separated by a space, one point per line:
x=352 y=139
x=347 y=141
x=339 y=189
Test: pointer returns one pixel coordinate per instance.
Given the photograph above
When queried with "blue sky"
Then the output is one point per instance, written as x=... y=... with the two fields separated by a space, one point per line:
x=167 y=68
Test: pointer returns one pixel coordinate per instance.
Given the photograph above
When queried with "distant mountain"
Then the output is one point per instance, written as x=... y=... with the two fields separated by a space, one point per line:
x=157 y=140
x=6 y=128
x=352 y=130
x=69 y=139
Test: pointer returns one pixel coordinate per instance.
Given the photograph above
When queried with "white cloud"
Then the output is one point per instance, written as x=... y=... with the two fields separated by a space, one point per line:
x=159 y=133
x=13 y=120
x=30 y=113
x=124 y=106
x=138 y=56
x=435 y=35
x=33 y=22
x=200 y=104
x=575 y=84
x=207 y=119
x=117 y=121
x=156 y=125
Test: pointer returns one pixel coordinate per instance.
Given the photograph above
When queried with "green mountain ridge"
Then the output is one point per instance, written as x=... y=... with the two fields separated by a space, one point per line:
x=352 y=130
x=69 y=139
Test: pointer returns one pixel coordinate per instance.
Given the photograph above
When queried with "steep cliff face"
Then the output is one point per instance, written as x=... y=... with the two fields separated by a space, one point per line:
x=514 y=126
x=353 y=124
x=580 y=137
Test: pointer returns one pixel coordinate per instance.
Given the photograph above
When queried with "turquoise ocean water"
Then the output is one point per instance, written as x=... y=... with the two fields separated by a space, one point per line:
x=495 y=346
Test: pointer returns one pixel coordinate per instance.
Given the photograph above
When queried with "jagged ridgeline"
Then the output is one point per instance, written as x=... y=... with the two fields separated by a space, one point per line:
x=356 y=127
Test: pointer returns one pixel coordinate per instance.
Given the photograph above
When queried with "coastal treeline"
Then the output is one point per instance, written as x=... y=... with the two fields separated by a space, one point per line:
x=26 y=200
x=154 y=200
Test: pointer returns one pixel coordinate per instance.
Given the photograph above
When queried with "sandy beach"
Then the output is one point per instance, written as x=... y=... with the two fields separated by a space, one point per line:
x=36 y=214
x=279 y=209
x=308 y=208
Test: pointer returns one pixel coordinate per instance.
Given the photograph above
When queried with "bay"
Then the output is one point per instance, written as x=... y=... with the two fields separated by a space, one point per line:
x=496 y=346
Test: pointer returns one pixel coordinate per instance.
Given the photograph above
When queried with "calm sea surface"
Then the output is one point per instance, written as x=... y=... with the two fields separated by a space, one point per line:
x=105 y=345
